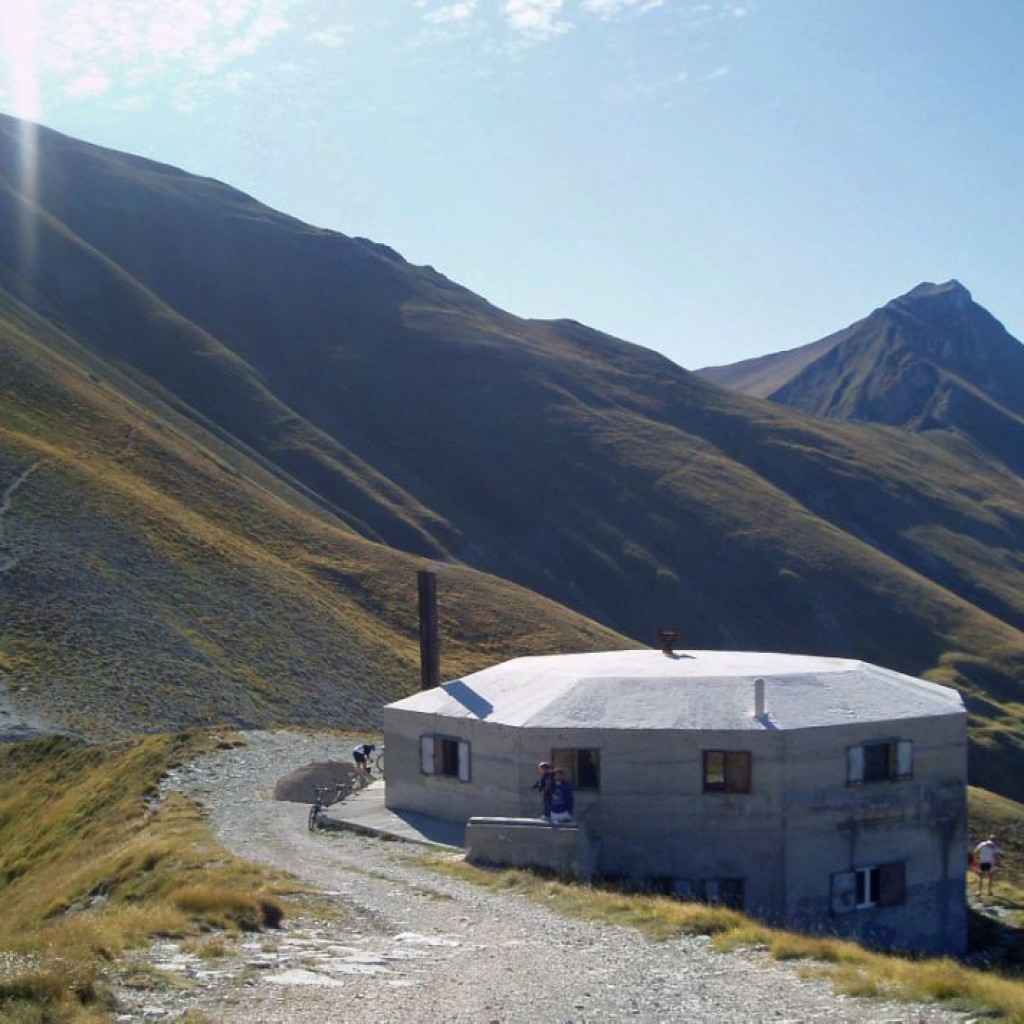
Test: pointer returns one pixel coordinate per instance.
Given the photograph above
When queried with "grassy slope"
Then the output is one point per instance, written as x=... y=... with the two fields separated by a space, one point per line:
x=162 y=578
x=91 y=865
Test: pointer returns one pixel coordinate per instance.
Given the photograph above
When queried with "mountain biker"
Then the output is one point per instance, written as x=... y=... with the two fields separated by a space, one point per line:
x=361 y=756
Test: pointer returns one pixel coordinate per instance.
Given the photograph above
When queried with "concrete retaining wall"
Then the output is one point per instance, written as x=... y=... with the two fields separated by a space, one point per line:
x=530 y=843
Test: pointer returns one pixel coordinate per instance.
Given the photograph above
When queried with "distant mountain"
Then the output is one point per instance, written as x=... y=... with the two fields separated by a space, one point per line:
x=931 y=360
x=244 y=433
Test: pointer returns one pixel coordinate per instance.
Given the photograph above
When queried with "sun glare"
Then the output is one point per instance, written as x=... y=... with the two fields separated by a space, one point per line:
x=19 y=23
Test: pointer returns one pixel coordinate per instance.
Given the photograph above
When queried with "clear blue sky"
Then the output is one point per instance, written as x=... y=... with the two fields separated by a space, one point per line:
x=714 y=180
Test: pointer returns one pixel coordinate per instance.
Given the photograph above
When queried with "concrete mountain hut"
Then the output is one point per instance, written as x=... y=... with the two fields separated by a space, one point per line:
x=822 y=794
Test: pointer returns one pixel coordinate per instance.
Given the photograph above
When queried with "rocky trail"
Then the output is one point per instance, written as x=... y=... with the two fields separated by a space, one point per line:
x=387 y=939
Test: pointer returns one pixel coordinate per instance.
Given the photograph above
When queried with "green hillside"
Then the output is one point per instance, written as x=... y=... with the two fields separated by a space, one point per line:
x=154 y=576
x=245 y=434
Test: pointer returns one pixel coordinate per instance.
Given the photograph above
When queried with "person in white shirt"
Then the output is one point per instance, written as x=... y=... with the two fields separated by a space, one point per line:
x=987 y=856
x=362 y=755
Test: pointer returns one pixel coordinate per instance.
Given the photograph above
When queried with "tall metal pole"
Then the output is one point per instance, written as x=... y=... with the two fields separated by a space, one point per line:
x=430 y=652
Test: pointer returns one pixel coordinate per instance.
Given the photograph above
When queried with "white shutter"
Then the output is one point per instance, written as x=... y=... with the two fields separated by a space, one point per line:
x=904 y=759
x=855 y=764
x=427 y=755
x=463 y=761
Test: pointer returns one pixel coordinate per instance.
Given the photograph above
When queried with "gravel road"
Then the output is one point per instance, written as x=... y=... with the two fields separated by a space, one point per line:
x=400 y=943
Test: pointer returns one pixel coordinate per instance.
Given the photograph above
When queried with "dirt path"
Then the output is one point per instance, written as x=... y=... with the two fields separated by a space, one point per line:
x=394 y=941
x=15 y=723
x=7 y=558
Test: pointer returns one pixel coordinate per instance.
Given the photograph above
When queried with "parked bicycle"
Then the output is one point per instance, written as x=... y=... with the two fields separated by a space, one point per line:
x=321 y=803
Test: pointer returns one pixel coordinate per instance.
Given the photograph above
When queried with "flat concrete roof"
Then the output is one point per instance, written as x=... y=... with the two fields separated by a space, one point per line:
x=705 y=690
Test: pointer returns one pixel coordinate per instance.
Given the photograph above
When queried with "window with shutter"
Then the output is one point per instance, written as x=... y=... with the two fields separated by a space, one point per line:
x=875 y=885
x=727 y=771
x=445 y=756
x=879 y=761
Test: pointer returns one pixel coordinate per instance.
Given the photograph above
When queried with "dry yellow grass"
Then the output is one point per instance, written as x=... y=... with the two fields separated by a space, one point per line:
x=851 y=969
x=91 y=866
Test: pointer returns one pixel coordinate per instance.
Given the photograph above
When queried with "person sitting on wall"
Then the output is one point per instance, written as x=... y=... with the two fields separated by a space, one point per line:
x=361 y=756
x=987 y=857
x=545 y=783
x=562 y=800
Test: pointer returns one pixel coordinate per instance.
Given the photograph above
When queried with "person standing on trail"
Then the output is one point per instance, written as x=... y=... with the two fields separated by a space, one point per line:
x=987 y=856
x=361 y=756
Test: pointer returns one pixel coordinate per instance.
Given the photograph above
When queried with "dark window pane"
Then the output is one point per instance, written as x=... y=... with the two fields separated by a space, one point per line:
x=873 y=885
x=588 y=769
x=449 y=757
x=582 y=766
x=892 y=883
x=877 y=761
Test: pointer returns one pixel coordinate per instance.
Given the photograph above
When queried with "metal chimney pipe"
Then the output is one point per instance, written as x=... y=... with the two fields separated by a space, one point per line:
x=758 y=698
x=430 y=649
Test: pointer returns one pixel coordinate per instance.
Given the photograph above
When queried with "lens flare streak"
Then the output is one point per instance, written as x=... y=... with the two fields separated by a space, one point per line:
x=19 y=33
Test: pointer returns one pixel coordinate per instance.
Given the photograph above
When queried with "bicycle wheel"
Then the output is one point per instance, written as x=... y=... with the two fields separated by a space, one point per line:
x=380 y=765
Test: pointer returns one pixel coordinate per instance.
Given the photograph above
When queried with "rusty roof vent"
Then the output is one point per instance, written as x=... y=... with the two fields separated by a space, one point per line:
x=666 y=640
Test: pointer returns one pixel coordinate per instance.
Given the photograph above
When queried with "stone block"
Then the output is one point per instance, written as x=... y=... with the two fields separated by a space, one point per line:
x=564 y=850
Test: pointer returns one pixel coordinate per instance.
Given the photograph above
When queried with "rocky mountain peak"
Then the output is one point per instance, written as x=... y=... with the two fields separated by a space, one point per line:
x=926 y=290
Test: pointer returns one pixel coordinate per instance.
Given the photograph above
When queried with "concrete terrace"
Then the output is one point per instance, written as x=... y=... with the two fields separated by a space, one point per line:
x=364 y=812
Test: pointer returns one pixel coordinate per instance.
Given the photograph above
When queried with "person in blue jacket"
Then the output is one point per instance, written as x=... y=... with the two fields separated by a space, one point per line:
x=562 y=800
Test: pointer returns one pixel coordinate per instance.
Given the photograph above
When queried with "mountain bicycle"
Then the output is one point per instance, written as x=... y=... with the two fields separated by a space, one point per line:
x=321 y=803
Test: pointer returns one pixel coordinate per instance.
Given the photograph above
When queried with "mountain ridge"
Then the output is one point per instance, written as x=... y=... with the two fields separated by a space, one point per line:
x=343 y=415
x=929 y=360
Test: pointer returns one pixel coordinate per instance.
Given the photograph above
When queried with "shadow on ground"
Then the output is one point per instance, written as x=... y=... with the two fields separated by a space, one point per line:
x=299 y=786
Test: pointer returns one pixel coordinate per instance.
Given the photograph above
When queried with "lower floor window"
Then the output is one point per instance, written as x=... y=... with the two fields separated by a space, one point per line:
x=444 y=755
x=725 y=892
x=875 y=885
